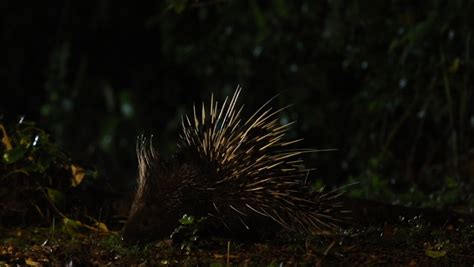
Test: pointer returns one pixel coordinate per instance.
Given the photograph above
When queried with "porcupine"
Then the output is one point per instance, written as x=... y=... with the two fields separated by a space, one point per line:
x=238 y=173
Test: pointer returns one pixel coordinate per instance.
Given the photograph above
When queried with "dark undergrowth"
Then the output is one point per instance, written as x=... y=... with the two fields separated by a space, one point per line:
x=416 y=244
x=56 y=212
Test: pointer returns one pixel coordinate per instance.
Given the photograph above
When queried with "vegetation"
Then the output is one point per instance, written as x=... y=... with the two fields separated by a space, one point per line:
x=389 y=84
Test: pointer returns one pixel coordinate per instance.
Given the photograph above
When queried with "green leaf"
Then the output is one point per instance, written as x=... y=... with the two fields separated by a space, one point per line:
x=43 y=163
x=281 y=8
x=178 y=5
x=14 y=155
x=71 y=226
x=435 y=253
x=56 y=197
x=260 y=21
x=187 y=219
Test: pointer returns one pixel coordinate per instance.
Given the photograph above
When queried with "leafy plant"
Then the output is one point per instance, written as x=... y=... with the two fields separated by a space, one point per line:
x=38 y=181
x=187 y=234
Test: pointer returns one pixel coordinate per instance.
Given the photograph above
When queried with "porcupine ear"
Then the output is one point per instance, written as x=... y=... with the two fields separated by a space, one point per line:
x=148 y=162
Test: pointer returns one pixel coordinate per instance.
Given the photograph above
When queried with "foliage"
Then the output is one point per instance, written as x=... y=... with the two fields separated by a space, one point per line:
x=38 y=181
x=386 y=82
x=187 y=234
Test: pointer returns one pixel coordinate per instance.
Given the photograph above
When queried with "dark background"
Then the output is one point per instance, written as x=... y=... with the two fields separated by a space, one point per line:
x=387 y=83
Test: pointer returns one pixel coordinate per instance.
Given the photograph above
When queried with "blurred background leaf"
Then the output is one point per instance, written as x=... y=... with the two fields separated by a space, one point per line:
x=387 y=83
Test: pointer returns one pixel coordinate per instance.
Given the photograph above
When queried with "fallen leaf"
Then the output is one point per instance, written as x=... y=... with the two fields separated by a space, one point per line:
x=5 y=139
x=101 y=226
x=31 y=262
x=78 y=174
x=435 y=253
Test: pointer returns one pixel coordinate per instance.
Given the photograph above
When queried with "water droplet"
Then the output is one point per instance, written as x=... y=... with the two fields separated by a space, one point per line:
x=293 y=68
x=451 y=34
x=401 y=31
x=257 y=51
x=345 y=165
x=402 y=83
x=300 y=46
x=421 y=114
x=345 y=64
x=35 y=141
x=127 y=110
x=304 y=8
x=67 y=104
x=209 y=70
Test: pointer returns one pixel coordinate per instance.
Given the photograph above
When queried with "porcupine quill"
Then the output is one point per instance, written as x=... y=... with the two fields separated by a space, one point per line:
x=236 y=171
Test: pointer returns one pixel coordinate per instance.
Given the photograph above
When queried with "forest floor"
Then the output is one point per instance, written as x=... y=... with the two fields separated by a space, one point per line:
x=412 y=243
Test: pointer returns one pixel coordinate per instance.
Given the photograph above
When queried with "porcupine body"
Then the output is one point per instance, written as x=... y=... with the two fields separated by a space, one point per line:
x=241 y=174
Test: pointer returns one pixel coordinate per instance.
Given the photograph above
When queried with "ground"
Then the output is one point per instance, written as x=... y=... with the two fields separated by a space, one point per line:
x=414 y=243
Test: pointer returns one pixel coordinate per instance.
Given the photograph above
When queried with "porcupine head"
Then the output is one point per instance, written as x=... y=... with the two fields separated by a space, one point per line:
x=239 y=172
